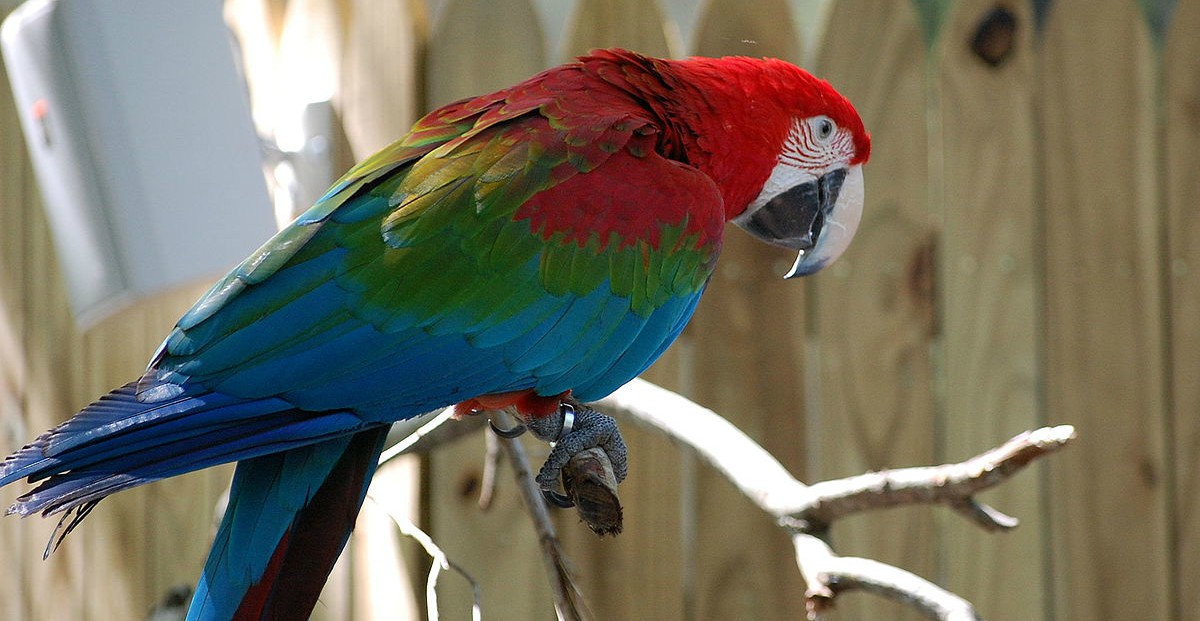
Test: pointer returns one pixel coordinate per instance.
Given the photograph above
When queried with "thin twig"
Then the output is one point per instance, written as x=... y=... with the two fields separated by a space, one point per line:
x=491 y=466
x=431 y=432
x=413 y=431
x=568 y=598
x=953 y=484
x=441 y=562
x=827 y=574
x=985 y=515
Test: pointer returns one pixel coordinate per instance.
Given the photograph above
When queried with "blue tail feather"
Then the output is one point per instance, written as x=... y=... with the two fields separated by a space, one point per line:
x=289 y=516
x=120 y=442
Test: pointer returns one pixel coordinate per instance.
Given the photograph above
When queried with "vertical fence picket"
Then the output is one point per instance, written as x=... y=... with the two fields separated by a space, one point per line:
x=747 y=345
x=118 y=535
x=14 y=176
x=379 y=91
x=478 y=46
x=633 y=24
x=1181 y=64
x=874 y=321
x=988 y=293
x=52 y=347
x=726 y=29
x=1104 y=351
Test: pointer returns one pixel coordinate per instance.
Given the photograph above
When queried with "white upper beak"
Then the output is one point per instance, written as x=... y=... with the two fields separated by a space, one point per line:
x=817 y=217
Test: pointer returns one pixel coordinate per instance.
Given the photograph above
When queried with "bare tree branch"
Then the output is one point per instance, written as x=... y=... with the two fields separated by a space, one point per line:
x=808 y=510
x=805 y=511
x=953 y=484
x=724 y=447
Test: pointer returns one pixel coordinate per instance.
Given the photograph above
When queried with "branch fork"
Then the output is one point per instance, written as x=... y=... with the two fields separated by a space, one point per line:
x=805 y=512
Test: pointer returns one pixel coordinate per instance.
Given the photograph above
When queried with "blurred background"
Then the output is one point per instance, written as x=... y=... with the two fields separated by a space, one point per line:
x=1032 y=219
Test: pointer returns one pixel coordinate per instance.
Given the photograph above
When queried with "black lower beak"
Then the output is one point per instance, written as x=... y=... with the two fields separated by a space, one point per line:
x=795 y=218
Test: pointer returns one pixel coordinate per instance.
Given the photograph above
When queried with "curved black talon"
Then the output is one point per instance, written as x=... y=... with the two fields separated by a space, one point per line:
x=557 y=499
x=515 y=432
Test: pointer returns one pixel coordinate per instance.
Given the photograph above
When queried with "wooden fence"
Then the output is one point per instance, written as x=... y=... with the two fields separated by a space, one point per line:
x=1027 y=256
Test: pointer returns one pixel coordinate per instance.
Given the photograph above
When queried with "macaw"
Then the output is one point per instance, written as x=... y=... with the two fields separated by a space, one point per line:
x=522 y=249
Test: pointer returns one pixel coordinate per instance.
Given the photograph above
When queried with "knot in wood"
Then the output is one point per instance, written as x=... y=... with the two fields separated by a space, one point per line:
x=996 y=36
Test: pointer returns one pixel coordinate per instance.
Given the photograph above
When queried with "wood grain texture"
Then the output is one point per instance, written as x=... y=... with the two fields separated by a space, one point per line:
x=989 y=300
x=727 y=29
x=479 y=46
x=747 y=343
x=1181 y=103
x=379 y=93
x=633 y=24
x=1104 y=350
x=12 y=433
x=499 y=547
x=52 y=366
x=114 y=352
x=874 y=321
x=14 y=191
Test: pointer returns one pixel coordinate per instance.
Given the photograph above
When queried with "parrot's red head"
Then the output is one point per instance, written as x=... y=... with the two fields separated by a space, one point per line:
x=785 y=148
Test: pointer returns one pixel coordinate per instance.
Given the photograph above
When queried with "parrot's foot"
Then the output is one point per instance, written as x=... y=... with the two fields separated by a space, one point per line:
x=575 y=428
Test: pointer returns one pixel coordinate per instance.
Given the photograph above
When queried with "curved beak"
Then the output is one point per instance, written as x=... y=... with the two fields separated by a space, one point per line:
x=816 y=218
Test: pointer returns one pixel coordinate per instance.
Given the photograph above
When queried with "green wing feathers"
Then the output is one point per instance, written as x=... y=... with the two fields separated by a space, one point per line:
x=492 y=216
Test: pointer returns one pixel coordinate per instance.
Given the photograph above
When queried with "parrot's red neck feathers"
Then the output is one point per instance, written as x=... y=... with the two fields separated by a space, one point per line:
x=717 y=113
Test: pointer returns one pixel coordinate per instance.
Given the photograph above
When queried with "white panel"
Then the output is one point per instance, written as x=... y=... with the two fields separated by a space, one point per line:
x=157 y=151
x=81 y=233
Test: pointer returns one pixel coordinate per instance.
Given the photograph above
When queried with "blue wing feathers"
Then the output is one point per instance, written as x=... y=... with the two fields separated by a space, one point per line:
x=654 y=336
x=408 y=380
x=538 y=313
x=593 y=363
x=166 y=432
x=63 y=492
x=588 y=341
x=269 y=332
x=577 y=318
x=309 y=282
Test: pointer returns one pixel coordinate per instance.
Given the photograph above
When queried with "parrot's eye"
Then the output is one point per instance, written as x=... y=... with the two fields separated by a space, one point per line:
x=822 y=128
